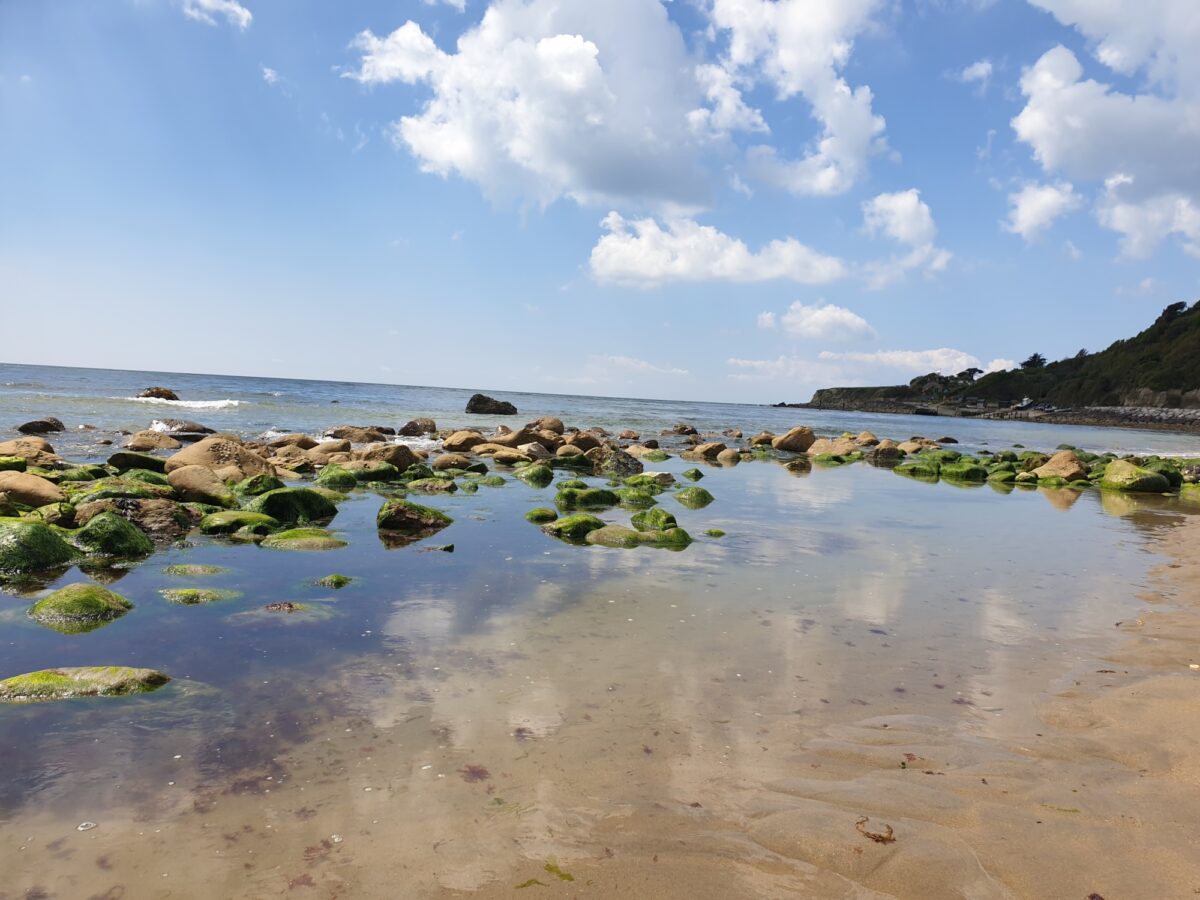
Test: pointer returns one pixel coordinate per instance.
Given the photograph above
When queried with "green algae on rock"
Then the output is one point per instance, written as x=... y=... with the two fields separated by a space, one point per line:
x=79 y=607
x=191 y=570
x=198 y=596
x=1122 y=475
x=336 y=478
x=293 y=506
x=585 y=498
x=656 y=519
x=694 y=497
x=303 y=539
x=433 y=485
x=32 y=547
x=536 y=475
x=692 y=474
x=636 y=498
x=335 y=581
x=257 y=484
x=541 y=515
x=227 y=521
x=621 y=537
x=80 y=681
x=108 y=534
x=12 y=464
x=399 y=515
x=964 y=470
x=574 y=527
x=715 y=533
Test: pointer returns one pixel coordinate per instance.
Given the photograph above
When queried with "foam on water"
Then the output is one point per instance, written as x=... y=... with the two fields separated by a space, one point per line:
x=185 y=404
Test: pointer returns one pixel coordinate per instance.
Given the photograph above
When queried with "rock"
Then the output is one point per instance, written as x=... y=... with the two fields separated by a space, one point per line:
x=159 y=393
x=836 y=447
x=573 y=528
x=199 y=485
x=462 y=440
x=694 y=497
x=229 y=521
x=303 y=539
x=357 y=434
x=656 y=519
x=507 y=457
x=620 y=536
x=613 y=462
x=541 y=515
x=197 y=596
x=417 y=427
x=42 y=426
x=1065 y=465
x=481 y=404
x=151 y=440
x=162 y=519
x=692 y=474
x=946 y=440
x=432 y=486
x=513 y=439
x=534 y=450
x=654 y=481
x=584 y=440
x=84 y=681
x=866 y=439
x=368 y=470
x=411 y=519
x=797 y=440
x=295 y=439
x=293 y=506
x=336 y=478
x=257 y=484
x=538 y=476
x=78 y=608
x=327 y=448
x=585 y=498
x=335 y=581
x=916 y=446
x=1119 y=475
x=110 y=535
x=681 y=428
x=30 y=490
x=628 y=435
x=184 y=429
x=12 y=464
x=881 y=455
x=762 y=439
x=568 y=450
x=60 y=514
x=548 y=423
x=32 y=547
x=964 y=470
x=729 y=457
x=224 y=456
x=708 y=450
x=397 y=455
x=450 y=461
x=922 y=470
x=113 y=488
x=123 y=460
x=35 y=451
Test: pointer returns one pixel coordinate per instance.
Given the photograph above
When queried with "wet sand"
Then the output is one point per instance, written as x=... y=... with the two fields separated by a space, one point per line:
x=667 y=744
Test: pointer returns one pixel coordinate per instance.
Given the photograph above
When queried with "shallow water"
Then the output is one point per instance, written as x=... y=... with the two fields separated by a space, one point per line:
x=646 y=722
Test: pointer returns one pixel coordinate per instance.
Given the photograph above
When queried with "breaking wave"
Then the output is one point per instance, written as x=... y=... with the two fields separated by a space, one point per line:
x=186 y=404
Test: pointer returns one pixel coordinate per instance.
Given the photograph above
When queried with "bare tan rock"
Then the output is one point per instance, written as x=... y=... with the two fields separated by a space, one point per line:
x=151 y=440
x=200 y=485
x=1064 y=464
x=303 y=441
x=462 y=440
x=450 y=461
x=223 y=455
x=797 y=440
x=31 y=490
x=399 y=455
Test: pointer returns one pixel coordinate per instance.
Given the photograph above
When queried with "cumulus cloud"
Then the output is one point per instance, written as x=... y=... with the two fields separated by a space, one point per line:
x=1144 y=148
x=916 y=362
x=206 y=11
x=643 y=253
x=828 y=322
x=978 y=73
x=544 y=99
x=999 y=365
x=1036 y=206
x=460 y=5
x=906 y=219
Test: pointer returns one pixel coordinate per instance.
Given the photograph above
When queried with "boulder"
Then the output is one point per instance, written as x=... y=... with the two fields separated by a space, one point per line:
x=336 y=478
x=78 y=608
x=357 y=434
x=1121 y=475
x=833 y=447
x=462 y=440
x=108 y=534
x=398 y=455
x=568 y=450
x=46 y=425
x=535 y=476
x=548 y=423
x=303 y=441
x=398 y=515
x=293 y=505
x=541 y=515
x=228 y=458
x=328 y=448
x=35 y=451
x=797 y=440
x=629 y=435
x=534 y=450
x=655 y=519
x=450 y=461
x=513 y=439
x=159 y=393
x=303 y=539
x=483 y=405
x=506 y=457
x=762 y=439
x=123 y=460
x=585 y=498
x=584 y=440
x=231 y=520
x=162 y=519
x=417 y=427
x=32 y=547
x=709 y=450
x=30 y=490
x=367 y=470
x=184 y=429
x=729 y=457
x=1065 y=465
x=199 y=485
x=573 y=528
x=614 y=462
x=82 y=681
x=681 y=428
x=694 y=497
x=151 y=440
x=866 y=439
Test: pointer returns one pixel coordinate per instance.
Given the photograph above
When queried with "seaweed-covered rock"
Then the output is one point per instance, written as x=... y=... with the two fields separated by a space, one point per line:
x=115 y=488
x=656 y=519
x=30 y=490
x=692 y=474
x=636 y=498
x=964 y=471
x=146 y=476
x=401 y=515
x=620 y=536
x=694 y=497
x=574 y=527
x=335 y=581
x=433 y=486
x=293 y=505
x=585 y=498
x=336 y=478
x=193 y=570
x=368 y=470
x=161 y=519
x=920 y=469
x=32 y=547
x=1167 y=470
x=536 y=475
x=80 y=607
x=124 y=460
x=198 y=596
x=650 y=481
x=1122 y=475
x=541 y=515
x=60 y=514
x=229 y=521
x=12 y=464
x=613 y=461
x=256 y=485
x=197 y=484
x=108 y=534
x=303 y=539
x=83 y=681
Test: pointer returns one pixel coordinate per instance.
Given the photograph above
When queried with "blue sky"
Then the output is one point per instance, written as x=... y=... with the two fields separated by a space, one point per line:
x=716 y=199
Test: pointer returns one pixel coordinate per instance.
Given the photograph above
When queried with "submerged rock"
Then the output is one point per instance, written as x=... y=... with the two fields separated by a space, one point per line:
x=303 y=539
x=293 y=506
x=108 y=534
x=575 y=527
x=336 y=582
x=83 y=681
x=229 y=521
x=198 y=596
x=32 y=547
x=191 y=570
x=80 y=607
x=536 y=475
x=541 y=515
x=694 y=497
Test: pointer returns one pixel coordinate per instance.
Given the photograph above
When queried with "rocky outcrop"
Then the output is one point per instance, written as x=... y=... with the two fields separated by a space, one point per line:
x=159 y=393
x=483 y=405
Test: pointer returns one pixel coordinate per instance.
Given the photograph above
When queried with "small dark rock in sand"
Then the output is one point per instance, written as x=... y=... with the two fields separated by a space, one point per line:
x=159 y=393
x=481 y=404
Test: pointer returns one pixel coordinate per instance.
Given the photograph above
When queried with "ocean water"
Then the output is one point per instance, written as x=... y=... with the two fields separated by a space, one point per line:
x=107 y=399
x=520 y=710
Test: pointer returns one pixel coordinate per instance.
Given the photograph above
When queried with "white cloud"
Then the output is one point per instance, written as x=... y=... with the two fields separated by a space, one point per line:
x=1036 y=206
x=544 y=99
x=1073 y=253
x=999 y=365
x=639 y=366
x=270 y=76
x=789 y=368
x=728 y=111
x=460 y=5
x=799 y=47
x=1144 y=147
x=828 y=322
x=905 y=218
x=206 y=11
x=916 y=362
x=979 y=73
x=642 y=252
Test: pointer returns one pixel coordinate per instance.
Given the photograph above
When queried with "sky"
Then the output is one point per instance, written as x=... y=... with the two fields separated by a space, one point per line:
x=737 y=200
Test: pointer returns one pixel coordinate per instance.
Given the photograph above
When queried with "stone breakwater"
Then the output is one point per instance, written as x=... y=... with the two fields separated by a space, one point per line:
x=283 y=496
